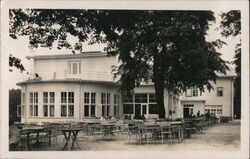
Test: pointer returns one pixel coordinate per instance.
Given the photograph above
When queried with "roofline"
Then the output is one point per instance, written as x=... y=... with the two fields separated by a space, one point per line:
x=67 y=81
x=63 y=56
x=193 y=100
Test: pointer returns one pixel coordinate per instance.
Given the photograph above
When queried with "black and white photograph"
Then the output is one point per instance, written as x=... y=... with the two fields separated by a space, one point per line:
x=128 y=80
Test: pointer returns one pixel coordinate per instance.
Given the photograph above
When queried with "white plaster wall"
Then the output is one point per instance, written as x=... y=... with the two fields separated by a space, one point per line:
x=211 y=97
x=92 y=68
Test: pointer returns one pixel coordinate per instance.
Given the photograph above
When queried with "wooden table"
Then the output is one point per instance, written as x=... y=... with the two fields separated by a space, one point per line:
x=68 y=132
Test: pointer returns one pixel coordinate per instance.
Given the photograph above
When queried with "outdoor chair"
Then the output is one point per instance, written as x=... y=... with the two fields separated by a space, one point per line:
x=97 y=131
x=166 y=133
x=132 y=131
x=176 y=133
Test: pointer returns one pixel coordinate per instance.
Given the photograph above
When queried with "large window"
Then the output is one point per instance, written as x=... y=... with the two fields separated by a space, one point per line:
x=214 y=109
x=116 y=105
x=89 y=104
x=48 y=104
x=219 y=91
x=74 y=67
x=33 y=100
x=105 y=101
x=67 y=104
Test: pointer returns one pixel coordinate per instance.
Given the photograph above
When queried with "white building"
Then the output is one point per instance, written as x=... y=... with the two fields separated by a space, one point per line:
x=73 y=87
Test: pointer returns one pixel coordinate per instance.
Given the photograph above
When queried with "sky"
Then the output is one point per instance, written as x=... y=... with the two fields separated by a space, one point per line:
x=20 y=49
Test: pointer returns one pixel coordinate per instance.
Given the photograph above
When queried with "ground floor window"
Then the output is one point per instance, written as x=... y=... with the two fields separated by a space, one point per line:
x=33 y=100
x=140 y=104
x=116 y=104
x=214 y=109
x=105 y=101
x=67 y=104
x=48 y=104
x=89 y=104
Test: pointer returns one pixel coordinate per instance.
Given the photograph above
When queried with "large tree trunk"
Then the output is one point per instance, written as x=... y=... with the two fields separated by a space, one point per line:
x=159 y=86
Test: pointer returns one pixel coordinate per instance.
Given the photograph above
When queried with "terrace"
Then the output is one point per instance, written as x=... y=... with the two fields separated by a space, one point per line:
x=129 y=135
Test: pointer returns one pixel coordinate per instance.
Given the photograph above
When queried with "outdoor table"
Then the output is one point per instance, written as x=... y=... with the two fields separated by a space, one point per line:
x=108 y=130
x=68 y=132
x=32 y=130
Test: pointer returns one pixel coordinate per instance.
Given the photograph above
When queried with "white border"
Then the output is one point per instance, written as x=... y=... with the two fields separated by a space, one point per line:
x=242 y=5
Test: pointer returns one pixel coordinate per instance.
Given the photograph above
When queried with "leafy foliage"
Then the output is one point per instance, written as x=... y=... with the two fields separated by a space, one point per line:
x=15 y=62
x=166 y=47
x=231 y=25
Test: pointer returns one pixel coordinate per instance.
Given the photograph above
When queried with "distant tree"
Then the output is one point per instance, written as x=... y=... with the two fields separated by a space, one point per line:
x=14 y=100
x=166 y=47
x=231 y=25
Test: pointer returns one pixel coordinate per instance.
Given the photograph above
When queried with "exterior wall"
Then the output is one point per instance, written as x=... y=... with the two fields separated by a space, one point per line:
x=198 y=106
x=92 y=68
x=211 y=98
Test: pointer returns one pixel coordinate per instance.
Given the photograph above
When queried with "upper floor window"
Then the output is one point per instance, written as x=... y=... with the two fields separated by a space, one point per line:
x=219 y=91
x=74 y=67
x=193 y=92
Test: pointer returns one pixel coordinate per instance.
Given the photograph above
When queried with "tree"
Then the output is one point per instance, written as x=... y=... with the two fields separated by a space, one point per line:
x=168 y=48
x=14 y=100
x=231 y=25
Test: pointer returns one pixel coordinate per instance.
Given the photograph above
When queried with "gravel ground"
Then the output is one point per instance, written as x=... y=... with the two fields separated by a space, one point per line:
x=219 y=137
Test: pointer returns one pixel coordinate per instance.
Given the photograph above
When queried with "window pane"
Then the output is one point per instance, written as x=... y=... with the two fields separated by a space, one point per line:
x=144 y=109
x=86 y=98
x=128 y=108
x=63 y=97
x=45 y=97
x=52 y=97
x=71 y=97
x=31 y=97
x=45 y=110
x=35 y=110
x=86 y=110
x=141 y=98
x=108 y=110
x=127 y=99
x=152 y=98
x=108 y=98
x=63 y=110
x=103 y=100
x=71 y=110
x=92 y=111
x=103 y=110
x=74 y=68
x=31 y=110
x=93 y=98
x=52 y=110
x=153 y=109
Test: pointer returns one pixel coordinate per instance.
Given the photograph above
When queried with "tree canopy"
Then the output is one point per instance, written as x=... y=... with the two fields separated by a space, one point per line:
x=231 y=26
x=166 y=47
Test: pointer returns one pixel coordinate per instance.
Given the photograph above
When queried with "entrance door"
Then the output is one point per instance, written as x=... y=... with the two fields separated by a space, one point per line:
x=137 y=110
x=186 y=112
x=140 y=109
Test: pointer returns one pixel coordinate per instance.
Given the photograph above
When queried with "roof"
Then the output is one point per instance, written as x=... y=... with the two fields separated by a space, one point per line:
x=229 y=73
x=67 y=81
x=63 y=56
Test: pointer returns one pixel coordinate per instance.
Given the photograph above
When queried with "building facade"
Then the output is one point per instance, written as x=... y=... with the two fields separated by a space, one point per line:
x=77 y=87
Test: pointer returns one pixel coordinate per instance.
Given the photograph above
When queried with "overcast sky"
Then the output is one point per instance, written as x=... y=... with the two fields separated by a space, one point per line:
x=19 y=48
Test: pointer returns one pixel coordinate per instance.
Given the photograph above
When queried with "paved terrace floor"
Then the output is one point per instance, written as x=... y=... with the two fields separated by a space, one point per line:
x=219 y=137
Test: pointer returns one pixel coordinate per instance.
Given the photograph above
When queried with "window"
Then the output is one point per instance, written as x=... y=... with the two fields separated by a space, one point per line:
x=152 y=98
x=127 y=108
x=89 y=104
x=33 y=103
x=195 y=92
x=48 y=104
x=141 y=98
x=116 y=105
x=74 y=67
x=127 y=99
x=67 y=104
x=219 y=91
x=214 y=109
x=105 y=101
x=153 y=109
